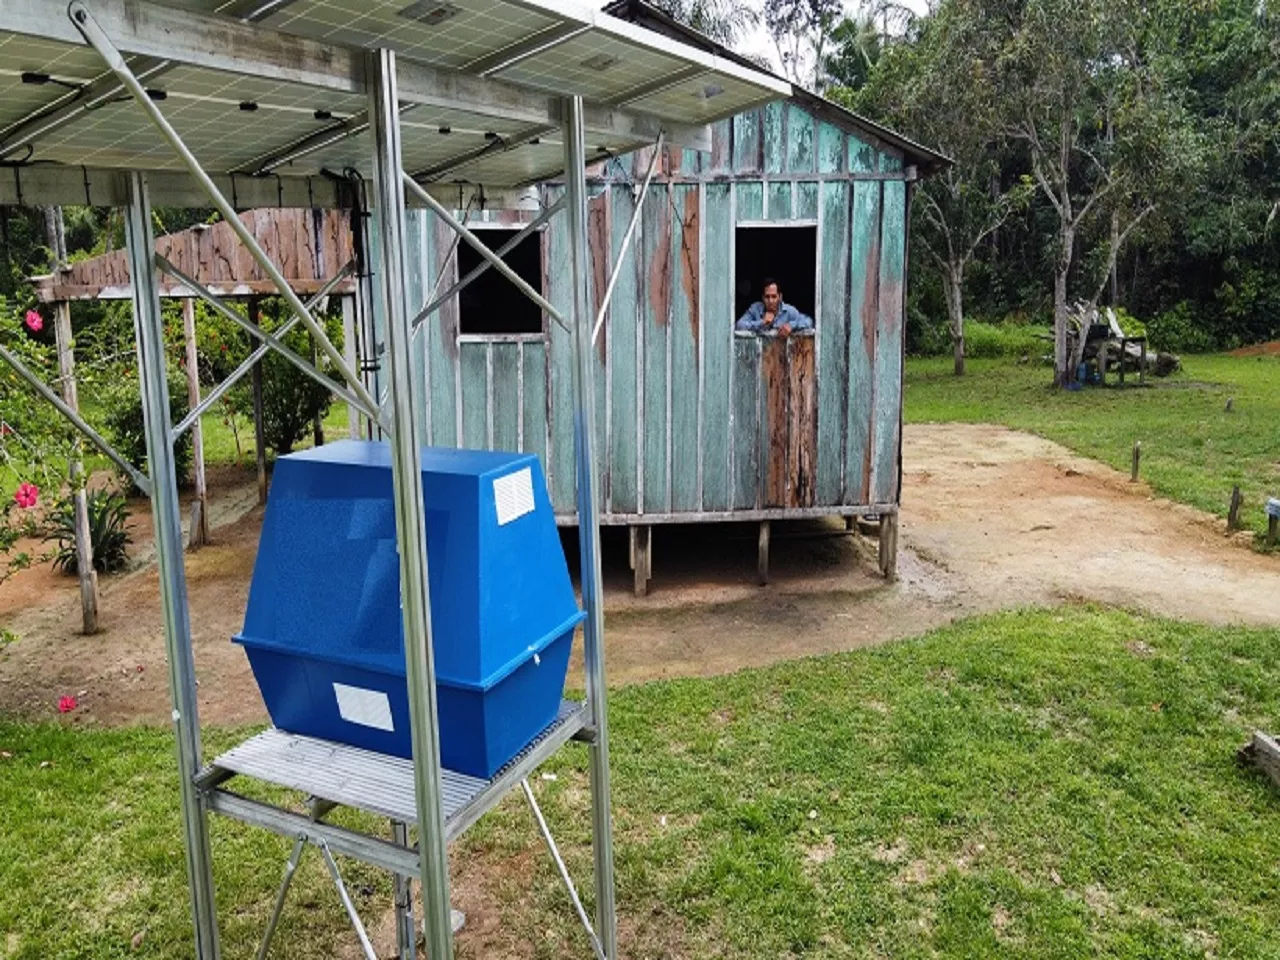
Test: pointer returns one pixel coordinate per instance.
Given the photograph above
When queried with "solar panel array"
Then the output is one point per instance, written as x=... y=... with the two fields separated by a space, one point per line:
x=246 y=124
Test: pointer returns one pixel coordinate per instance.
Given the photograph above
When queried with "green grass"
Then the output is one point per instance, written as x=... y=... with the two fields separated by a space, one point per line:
x=220 y=441
x=1192 y=449
x=1041 y=784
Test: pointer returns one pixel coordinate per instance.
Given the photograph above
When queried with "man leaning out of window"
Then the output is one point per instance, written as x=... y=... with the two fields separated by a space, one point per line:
x=770 y=315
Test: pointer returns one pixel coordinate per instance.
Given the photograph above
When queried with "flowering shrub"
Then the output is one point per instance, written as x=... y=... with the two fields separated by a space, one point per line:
x=34 y=440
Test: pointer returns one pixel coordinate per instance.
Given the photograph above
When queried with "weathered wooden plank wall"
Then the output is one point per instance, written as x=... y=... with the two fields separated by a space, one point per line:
x=693 y=420
x=716 y=330
x=308 y=246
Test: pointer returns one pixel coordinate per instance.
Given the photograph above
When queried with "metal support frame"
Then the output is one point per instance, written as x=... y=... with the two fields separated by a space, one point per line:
x=290 y=868
x=271 y=341
x=482 y=248
x=95 y=37
x=438 y=301
x=406 y=932
x=262 y=350
x=563 y=870
x=149 y=331
x=626 y=238
x=350 y=907
x=589 y=526
x=198 y=792
x=389 y=183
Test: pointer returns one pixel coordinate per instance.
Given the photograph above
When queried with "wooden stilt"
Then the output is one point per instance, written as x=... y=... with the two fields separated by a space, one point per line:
x=199 y=532
x=641 y=557
x=762 y=553
x=79 y=499
x=259 y=442
x=889 y=546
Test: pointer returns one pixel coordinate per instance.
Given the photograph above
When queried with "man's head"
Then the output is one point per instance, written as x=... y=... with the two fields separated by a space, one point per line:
x=770 y=295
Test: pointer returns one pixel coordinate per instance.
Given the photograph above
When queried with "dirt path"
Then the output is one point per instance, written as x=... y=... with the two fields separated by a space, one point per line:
x=992 y=519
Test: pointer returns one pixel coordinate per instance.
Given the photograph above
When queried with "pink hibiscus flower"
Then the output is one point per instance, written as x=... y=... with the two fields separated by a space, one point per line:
x=67 y=704
x=26 y=495
x=35 y=322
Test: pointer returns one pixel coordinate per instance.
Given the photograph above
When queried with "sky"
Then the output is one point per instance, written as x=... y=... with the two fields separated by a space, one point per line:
x=759 y=42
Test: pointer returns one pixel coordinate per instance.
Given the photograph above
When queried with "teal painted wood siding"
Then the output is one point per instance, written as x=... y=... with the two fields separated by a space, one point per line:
x=692 y=421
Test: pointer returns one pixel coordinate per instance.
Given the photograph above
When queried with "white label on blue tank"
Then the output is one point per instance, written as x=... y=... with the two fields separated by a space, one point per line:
x=369 y=708
x=513 y=495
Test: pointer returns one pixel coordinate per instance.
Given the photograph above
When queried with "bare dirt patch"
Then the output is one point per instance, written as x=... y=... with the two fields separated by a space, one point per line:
x=992 y=519
x=1271 y=349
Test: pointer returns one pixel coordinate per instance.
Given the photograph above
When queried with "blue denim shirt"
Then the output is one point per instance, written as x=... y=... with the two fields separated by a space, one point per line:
x=753 y=320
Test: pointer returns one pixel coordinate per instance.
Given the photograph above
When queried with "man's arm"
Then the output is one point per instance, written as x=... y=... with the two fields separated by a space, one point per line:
x=752 y=321
x=797 y=320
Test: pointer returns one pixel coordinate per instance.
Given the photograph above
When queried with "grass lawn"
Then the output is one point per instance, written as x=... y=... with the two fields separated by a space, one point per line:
x=1192 y=449
x=1039 y=784
x=220 y=439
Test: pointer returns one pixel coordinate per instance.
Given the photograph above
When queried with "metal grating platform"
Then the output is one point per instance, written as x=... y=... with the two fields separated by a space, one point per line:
x=381 y=784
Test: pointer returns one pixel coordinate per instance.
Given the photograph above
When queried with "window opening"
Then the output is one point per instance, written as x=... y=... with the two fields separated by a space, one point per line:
x=786 y=254
x=491 y=304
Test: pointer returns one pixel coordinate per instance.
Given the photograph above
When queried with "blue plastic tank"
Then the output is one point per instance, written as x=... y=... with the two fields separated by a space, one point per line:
x=323 y=629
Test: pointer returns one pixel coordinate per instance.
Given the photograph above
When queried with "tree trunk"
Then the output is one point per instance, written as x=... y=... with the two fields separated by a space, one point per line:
x=1115 y=261
x=1061 y=375
x=953 y=283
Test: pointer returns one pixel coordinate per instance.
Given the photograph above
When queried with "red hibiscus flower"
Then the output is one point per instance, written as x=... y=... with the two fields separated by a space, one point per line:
x=26 y=495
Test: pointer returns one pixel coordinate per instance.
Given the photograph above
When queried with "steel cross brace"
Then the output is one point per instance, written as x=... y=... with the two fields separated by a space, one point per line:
x=140 y=480
x=273 y=342
x=481 y=248
x=563 y=871
x=96 y=38
x=626 y=239
x=290 y=868
x=220 y=390
x=437 y=301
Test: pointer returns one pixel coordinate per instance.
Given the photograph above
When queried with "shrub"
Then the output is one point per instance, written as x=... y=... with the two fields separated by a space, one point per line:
x=989 y=340
x=1177 y=330
x=122 y=417
x=290 y=399
x=1131 y=325
x=108 y=514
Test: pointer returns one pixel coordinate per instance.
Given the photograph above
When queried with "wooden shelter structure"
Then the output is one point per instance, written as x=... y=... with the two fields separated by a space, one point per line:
x=698 y=423
x=311 y=247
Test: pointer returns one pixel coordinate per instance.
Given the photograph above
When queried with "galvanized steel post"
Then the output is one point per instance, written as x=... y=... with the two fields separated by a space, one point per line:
x=575 y=161
x=149 y=332
x=411 y=535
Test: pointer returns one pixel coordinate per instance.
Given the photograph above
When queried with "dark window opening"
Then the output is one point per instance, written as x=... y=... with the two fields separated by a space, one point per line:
x=789 y=255
x=491 y=304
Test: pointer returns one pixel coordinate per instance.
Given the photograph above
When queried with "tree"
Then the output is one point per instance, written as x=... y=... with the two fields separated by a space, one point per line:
x=723 y=21
x=801 y=31
x=291 y=401
x=940 y=89
x=1104 y=135
x=855 y=49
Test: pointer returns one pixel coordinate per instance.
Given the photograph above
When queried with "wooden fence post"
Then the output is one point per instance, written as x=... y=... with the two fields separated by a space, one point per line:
x=259 y=442
x=79 y=498
x=1137 y=460
x=199 y=534
x=1233 y=514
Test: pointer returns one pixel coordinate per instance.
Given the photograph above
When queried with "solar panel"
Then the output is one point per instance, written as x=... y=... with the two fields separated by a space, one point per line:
x=283 y=122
